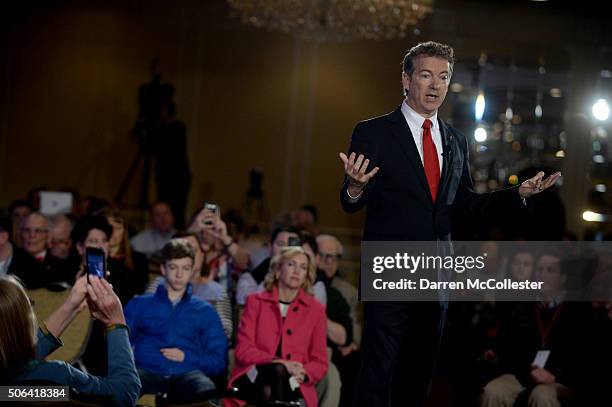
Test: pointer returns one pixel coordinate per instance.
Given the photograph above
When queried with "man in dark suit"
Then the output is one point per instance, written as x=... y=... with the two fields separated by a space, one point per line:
x=411 y=171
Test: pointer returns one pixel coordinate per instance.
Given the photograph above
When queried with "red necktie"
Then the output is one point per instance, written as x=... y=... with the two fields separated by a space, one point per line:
x=430 y=160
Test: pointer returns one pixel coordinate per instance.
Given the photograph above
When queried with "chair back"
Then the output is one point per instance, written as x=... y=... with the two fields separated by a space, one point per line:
x=76 y=334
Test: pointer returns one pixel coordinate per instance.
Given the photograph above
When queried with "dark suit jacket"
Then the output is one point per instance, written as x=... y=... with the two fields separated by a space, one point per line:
x=398 y=203
x=35 y=274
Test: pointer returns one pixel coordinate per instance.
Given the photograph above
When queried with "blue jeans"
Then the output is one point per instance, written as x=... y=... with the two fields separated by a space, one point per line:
x=183 y=388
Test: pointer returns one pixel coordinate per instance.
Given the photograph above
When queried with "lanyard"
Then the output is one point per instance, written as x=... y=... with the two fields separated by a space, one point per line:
x=544 y=332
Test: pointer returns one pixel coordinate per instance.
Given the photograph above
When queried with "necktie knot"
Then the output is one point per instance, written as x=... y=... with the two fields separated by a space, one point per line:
x=427 y=124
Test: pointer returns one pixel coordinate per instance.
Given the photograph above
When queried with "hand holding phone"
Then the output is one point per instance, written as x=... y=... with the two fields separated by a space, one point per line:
x=104 y=304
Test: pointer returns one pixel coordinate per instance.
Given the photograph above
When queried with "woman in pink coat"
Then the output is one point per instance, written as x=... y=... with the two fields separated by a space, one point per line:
x=280 y=352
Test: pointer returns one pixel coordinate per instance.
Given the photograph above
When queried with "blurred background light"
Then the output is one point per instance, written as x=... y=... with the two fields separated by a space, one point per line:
x=601 y=110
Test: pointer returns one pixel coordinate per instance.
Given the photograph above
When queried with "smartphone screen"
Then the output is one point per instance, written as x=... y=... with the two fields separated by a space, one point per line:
x=214 y=208
x=294 y=241
x=95 y=262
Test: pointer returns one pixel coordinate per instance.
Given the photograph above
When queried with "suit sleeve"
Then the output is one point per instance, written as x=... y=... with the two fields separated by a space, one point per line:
x=361 y=143
x=488 y=203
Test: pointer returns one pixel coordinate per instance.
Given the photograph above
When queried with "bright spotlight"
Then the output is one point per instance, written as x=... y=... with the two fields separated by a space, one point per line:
x=591 y=216
x=480 y=135
x=538 y=111
x=601 y=110
x=480 y=106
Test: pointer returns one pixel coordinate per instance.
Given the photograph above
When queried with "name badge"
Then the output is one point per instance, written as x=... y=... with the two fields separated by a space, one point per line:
x=541 y=358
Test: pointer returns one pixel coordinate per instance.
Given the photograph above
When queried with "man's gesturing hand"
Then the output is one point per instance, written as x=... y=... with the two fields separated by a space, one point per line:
x=355 y=170
x=537 y=184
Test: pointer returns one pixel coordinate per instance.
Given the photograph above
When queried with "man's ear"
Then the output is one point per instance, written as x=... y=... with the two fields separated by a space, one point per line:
x=162 y=268
x=406 y=82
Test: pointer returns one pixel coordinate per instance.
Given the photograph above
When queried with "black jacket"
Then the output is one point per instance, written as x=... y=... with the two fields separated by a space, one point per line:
x=398 y=203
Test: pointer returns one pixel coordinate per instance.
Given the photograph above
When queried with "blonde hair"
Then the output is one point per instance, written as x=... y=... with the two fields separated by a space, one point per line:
x=285 y=255
x=17 y=325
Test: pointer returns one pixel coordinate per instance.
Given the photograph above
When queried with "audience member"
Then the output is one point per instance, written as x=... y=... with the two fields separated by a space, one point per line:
x=33 y=263
x=204 y=287
x=59 y=242
x=279 y=239
x=522 y=265
x=129 y=268
x=551 y=325
x=23 y=347
x=94 y=231
x=330 y=252
x=341 y=315
x=6 y=248
x=307 y=218
x=151 y=240
x=18 y=210
x=247 y=284
x=34 y=234
x=179 y=343
x=280 y=352
x=223 y=256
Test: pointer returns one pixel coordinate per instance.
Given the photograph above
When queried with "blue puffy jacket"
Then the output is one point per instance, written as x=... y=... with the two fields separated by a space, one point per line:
x=191 y=325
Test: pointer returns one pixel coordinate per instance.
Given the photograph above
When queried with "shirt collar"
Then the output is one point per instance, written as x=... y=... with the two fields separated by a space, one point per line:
x=415 y=120
x=162 y=293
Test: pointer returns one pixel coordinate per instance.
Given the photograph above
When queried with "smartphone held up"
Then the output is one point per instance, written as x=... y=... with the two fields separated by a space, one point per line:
x=95 y=262
x=214 y=208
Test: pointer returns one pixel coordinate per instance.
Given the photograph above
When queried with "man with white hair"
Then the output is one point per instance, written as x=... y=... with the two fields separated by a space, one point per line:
x=33 y=263
x=328 y=258
x=345 y=358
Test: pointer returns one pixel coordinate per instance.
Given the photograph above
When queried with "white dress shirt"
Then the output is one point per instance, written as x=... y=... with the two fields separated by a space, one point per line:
x=415 y=122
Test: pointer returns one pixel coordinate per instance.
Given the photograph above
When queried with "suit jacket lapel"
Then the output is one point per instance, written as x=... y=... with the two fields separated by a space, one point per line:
x=447 y=158
x=404 y=138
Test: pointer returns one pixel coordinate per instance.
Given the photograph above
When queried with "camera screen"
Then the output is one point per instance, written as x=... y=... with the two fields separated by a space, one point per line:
x=95 y=264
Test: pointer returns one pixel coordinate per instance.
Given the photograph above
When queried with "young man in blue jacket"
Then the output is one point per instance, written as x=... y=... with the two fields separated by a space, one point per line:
x=178 y=339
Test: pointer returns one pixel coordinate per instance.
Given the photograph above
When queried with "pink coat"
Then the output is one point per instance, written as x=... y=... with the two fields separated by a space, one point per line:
x=304 y=334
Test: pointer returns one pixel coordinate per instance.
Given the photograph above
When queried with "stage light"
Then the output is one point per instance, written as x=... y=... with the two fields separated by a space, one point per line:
x=513 y=179
x=601 y=110
x=480 y=135
x=599 y=159
x=538 y=111
x=555 y=93
x=480 y=106
x=600 y=188
x=509 y=113
x=591 y=216
x=560 y=154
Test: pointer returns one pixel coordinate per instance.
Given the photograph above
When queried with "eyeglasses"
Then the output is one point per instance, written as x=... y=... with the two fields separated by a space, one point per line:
x=330 y=256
